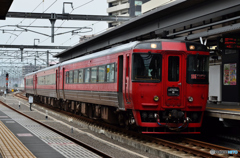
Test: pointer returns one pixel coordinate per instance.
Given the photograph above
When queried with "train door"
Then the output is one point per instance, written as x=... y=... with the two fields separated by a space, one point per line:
x=173 y=80
x=120 y=82
x=25 y=85
x=63 y=82
x=126 y=76
x=35 y=84
x=58 y=82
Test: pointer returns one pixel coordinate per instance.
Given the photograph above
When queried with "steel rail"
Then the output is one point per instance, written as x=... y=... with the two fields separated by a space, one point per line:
x=154 y=140
x=88 y=147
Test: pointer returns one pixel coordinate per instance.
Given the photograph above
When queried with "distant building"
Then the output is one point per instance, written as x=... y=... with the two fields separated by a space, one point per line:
x=132 y=8
x=152 y=4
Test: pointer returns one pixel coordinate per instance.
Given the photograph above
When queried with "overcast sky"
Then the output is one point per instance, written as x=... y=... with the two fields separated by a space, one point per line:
x=87 y=7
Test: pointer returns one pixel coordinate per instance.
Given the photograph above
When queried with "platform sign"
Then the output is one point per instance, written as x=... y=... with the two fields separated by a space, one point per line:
x=30 y=99
x=231 y=43
x=230 y=74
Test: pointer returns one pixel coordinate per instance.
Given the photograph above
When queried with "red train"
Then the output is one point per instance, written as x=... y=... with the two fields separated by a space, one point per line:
x=158 y=86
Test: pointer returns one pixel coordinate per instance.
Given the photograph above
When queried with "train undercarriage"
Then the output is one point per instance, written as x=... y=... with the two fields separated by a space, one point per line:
x=94 y=111
x=126 y=119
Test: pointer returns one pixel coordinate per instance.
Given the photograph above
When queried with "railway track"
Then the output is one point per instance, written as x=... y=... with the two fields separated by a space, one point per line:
x=187 y=146
x=92 y=149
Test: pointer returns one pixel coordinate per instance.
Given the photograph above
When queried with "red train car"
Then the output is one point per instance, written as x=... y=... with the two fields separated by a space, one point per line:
x=158 y=86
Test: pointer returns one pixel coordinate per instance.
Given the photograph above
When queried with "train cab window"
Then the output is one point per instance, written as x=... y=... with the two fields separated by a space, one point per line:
x=147 y=67
x=75 y=79
x=70 y=76
x=101 y=73
x=80 y=76
x=197 y=69
x=93 y=74
x=173 y=68
x=110 y=72
x=67 y=77
x=86 y=75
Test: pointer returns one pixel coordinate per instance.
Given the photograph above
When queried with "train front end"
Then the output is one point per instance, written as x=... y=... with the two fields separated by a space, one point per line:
x=169 y=86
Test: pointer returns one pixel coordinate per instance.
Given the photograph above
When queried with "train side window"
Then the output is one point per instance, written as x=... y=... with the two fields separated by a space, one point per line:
x=70 y=76
x=173 y=68
x=47 y=80
x=101 y=73
x=86 y=75
x=41 y=80
x=75 y=80
x=93 y=74
x=53 y=78
x=50 y=79
x=110 y=73
x=80 y=76
x=67 y=74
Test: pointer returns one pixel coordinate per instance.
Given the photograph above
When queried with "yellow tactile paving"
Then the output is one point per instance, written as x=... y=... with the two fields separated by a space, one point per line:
x=11 y=146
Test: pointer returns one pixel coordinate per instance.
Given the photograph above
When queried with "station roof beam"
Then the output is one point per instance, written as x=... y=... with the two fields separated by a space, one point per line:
x=33 y=46
x=4 y=7
x=66 y=16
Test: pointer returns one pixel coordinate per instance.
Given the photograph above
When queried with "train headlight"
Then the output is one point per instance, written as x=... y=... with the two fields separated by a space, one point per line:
x=190 y=99
x=153 y=45
x=192 y=47
x=156 y=98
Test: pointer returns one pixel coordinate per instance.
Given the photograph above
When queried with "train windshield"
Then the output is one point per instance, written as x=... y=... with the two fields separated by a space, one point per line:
x=147 y=67
x=197 y=69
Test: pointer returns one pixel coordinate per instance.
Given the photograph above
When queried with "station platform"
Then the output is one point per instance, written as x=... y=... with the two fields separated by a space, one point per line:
x=224 y=110
x=33 y=140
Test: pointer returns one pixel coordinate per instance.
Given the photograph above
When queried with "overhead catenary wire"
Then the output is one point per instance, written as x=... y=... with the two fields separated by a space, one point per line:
x=24 y=19
x=35 y=19
x=76 y=34
x=66 y=20
x=31 y=22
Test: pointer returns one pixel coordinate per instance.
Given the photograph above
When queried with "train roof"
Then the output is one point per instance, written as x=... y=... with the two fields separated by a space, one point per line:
x=112 y=50
x=109 y=51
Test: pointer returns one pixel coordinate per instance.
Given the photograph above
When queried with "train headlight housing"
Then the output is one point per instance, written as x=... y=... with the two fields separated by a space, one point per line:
x=190 y=99
x=155 y=98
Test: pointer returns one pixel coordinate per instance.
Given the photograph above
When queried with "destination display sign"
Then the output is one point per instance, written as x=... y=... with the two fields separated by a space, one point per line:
x=231 y=43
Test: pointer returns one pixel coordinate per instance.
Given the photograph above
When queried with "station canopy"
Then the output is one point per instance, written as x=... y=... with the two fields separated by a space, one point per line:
x=4 y=7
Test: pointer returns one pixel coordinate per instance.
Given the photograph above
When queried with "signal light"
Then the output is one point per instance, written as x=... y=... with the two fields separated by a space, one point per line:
x=7 y=75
